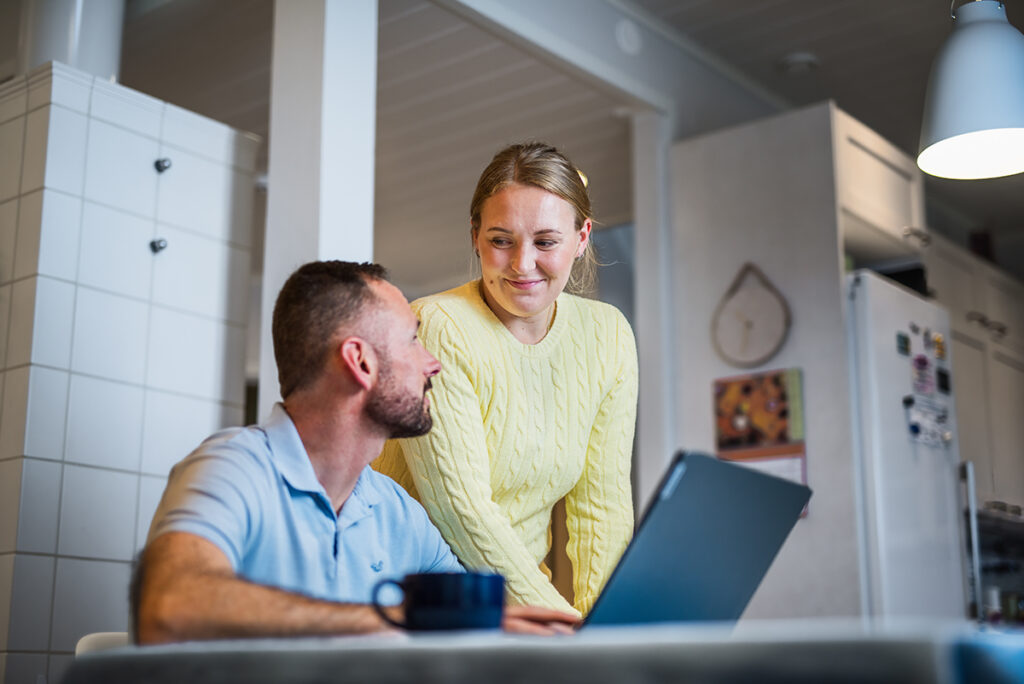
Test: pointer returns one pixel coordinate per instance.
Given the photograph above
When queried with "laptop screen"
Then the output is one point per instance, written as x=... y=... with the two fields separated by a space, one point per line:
x=702 y=547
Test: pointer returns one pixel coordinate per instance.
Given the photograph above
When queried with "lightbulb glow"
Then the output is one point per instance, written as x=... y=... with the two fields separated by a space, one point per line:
x=980 y=154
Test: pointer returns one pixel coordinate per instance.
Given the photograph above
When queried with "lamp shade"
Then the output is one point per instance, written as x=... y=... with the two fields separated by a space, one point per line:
x=973 y=124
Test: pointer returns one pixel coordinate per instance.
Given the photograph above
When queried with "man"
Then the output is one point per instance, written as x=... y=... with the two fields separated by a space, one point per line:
x=281 y=528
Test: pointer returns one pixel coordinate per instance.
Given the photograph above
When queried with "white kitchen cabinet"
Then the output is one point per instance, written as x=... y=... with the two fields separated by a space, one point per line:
x=1006 y=407
x=880 y=193
x=973 y=419
x=985 y=307
x=1004 y=307
x=954 y=281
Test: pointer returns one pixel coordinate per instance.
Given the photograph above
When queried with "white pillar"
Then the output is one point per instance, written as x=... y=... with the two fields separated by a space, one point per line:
x=656 y=439
x=84 y=35
x=323 y=94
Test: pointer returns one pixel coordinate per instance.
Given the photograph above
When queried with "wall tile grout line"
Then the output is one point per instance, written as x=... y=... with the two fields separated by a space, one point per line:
x=70 y=556
x=175 y=309
x=67 y=399
x=141 y=385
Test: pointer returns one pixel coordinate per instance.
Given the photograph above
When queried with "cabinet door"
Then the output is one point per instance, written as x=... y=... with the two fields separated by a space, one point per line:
x=1004 y=304
x=970 y=388
x=952 y=278
x=880 y=194
x=1006 y=405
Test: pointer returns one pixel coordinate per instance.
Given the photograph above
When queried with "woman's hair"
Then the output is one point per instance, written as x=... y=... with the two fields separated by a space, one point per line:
x=542 y=166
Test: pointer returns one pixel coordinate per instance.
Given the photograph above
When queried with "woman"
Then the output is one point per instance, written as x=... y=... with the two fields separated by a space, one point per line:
x=537 y=395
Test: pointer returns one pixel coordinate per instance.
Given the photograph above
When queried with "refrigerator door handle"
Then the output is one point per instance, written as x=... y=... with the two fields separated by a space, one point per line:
x=967 y=477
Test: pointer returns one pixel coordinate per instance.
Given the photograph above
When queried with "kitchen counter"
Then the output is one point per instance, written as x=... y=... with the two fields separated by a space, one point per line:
x=797 y=651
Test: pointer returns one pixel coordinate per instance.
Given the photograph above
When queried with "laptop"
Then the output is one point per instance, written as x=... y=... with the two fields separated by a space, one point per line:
x=702 y=546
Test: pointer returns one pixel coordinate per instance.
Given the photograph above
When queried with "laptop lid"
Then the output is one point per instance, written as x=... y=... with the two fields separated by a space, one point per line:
x=703 y=545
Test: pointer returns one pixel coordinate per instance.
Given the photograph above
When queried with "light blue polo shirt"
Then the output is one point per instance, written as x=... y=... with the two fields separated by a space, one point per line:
x=253 y=493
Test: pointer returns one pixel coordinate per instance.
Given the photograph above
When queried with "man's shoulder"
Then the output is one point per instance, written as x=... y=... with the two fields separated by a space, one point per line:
x=245 y=448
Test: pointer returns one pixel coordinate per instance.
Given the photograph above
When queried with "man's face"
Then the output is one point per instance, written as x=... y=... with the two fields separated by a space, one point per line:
x=399 y=401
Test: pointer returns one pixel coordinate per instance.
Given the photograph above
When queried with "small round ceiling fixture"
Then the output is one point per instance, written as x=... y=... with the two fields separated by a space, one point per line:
x=797 y=63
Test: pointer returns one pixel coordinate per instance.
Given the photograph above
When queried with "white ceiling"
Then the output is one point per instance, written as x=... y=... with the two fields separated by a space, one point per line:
x=450 y=94
x=874 y=60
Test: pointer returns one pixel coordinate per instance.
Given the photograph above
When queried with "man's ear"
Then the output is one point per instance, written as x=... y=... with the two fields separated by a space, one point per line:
x=359 y=357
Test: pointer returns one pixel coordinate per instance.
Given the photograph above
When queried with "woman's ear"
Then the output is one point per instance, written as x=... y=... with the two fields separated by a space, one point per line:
x=358 y=356
x=473 y=232
x=584 y=233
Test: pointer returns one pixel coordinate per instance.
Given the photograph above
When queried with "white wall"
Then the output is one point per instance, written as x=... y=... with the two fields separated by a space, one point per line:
x=766 y=194
x=115 y=361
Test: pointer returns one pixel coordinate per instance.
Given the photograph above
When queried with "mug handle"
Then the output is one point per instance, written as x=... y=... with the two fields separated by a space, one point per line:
x=377 y=607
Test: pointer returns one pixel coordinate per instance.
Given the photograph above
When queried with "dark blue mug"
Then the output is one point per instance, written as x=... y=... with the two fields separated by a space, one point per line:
x=447 y=601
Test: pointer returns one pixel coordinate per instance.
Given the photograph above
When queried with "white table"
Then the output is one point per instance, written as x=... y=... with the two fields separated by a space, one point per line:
x=791 y=652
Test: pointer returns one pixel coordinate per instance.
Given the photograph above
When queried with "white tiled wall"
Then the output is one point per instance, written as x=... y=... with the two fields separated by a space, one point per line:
x=115 y=361
x=65 y=150
x=10 y=497
x=201 y=275
x=5 y=310
x=21 y=323
x=51 y=329
x=151 y=489
x=115 y=254
x=40 y=501
x=14 y=413
x=177 y=362
x=58 y=666
x=174 y=425
x=48 y=243
x=104 y=423
x=126 y=180
x=12 y=138
x=135 y=112
x=97 y=526
x=31 y=603
x=6 y=582
x=8 y=228
x=47 y=410
x=89 y=596
x=25 y=667
x=110 y=336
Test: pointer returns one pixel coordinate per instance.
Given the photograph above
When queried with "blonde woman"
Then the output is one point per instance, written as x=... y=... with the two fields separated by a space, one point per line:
x=537 y=397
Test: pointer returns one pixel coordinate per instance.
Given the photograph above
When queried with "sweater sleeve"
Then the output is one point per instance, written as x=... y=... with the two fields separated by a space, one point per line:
x=599 y=509
x=450 y=467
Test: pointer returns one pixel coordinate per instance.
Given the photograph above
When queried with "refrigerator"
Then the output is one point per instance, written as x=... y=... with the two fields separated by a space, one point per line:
x=907 y=471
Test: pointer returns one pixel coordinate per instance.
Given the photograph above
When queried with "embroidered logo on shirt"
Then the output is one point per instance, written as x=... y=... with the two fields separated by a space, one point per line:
x=378 y=566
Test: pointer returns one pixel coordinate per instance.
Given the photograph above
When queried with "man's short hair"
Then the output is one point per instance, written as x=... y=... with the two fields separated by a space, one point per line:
x=315 y=300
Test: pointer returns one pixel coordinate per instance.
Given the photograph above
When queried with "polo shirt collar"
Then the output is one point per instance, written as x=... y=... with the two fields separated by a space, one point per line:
x=293 y=463
x=290 y=455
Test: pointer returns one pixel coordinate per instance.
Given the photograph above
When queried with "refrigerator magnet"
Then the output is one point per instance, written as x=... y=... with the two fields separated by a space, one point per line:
x=903 y=344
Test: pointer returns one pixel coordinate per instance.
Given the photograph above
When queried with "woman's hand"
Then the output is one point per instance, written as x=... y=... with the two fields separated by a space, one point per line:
x=539 y=621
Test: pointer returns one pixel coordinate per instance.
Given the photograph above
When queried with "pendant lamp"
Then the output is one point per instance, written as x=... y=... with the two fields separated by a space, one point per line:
x=973 y=124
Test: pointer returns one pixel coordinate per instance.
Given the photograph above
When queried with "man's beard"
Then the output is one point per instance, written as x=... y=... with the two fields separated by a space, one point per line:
x=402 y=415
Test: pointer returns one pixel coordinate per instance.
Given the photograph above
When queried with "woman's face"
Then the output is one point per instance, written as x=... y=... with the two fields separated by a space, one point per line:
x=527 y=241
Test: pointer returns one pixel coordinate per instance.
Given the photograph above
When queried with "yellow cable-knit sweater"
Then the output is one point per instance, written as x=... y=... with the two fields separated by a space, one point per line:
x=516 y=428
